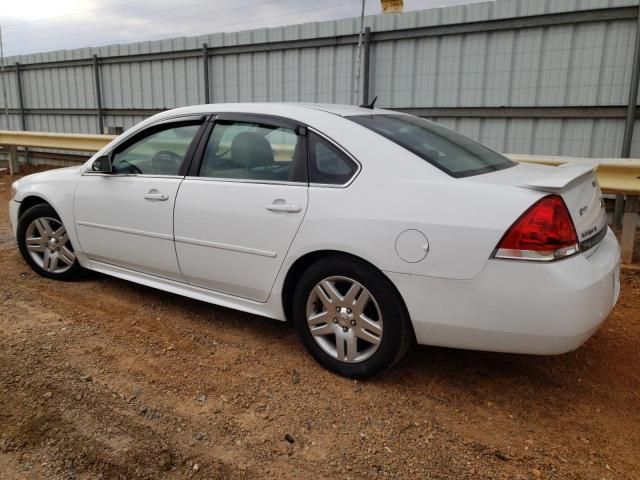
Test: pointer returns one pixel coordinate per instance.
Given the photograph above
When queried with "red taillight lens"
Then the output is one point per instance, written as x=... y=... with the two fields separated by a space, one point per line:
x=544 y=232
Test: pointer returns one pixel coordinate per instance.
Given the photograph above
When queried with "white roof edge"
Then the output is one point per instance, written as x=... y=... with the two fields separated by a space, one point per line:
x=275 y=108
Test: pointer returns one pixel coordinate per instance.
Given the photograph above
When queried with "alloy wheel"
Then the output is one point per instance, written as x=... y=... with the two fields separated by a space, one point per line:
x=48 y=245
x=344 y=319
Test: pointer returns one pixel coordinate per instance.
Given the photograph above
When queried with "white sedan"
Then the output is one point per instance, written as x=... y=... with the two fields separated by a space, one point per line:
x=369 y=229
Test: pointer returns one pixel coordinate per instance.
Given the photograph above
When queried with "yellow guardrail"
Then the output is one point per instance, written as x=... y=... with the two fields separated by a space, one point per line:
x=619 y=176
x=615 y=175
x=61 y=141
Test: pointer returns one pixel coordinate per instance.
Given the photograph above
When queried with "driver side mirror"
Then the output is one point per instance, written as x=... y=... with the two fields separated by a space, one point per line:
x=102 y=164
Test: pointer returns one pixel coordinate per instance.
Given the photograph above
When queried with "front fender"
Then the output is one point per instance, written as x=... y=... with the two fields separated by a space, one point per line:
x=55 y=187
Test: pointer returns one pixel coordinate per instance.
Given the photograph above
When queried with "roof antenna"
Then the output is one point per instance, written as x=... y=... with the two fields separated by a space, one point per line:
x=370 y=105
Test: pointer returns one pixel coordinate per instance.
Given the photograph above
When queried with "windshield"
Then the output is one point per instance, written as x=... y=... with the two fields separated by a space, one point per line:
x=455 y=154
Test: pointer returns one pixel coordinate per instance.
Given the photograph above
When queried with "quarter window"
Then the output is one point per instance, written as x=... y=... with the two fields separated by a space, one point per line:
x=327 y=164
x=244 y=150
x=159 y=153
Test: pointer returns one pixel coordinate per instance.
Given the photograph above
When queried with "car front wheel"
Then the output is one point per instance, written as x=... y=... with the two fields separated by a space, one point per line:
x=350 y=317
x=44 y=244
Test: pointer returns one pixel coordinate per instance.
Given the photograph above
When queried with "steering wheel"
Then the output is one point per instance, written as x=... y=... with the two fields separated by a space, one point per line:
x=165 y=161
x=133 y=168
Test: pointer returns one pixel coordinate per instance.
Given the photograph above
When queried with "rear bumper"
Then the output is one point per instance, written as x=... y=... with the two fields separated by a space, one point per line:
x=516 y=306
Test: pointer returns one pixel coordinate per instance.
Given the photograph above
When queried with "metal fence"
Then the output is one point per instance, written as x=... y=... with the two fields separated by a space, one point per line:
x=550 y=77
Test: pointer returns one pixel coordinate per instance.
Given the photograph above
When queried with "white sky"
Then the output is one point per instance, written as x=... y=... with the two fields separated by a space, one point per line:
x=30 y=26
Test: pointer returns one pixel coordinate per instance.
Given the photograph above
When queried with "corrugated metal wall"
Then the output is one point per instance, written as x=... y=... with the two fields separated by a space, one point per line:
x=568 y=55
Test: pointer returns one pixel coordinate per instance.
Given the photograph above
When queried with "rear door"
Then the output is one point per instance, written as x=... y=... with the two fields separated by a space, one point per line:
x=239 y=209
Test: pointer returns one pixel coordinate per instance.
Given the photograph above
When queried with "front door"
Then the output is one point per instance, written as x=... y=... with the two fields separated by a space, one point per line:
x=125 y=218
x=237 y=214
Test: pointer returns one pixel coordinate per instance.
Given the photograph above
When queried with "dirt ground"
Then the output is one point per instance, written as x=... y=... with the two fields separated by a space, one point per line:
x=107 y=379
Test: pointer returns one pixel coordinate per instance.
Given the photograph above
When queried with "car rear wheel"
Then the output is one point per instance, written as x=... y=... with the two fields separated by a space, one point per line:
x=350 y=317
x=44 y=244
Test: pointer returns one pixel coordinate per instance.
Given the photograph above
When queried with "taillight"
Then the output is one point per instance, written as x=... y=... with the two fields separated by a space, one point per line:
x=545 y=232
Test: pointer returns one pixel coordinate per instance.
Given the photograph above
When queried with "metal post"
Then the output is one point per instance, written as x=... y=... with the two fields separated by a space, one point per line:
x=630 y=120
x=366 y=66
x=23 y=115
x=633 y=96
x=629 y=223
x=96 y=74
x=618 y=210
x=4 y=83
x=355 y=93
x=14 y=166
x=205 y=70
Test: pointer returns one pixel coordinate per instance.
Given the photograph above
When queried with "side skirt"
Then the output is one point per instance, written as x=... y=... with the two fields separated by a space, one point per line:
x=263 y=309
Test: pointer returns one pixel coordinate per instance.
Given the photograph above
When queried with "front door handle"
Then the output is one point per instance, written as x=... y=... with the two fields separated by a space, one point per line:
x=154 y=195
x=283 y=207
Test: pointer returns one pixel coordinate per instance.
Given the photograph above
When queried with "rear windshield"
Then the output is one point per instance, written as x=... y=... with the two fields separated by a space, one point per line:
x=457 y=155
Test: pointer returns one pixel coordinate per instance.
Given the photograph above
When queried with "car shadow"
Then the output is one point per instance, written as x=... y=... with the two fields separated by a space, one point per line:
x=465 y=372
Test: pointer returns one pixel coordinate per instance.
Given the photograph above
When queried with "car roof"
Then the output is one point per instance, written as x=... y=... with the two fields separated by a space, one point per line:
x=341 y=109
x=287 y=109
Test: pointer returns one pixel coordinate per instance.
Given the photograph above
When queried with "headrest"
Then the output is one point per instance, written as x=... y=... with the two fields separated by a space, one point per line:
x=250 y=149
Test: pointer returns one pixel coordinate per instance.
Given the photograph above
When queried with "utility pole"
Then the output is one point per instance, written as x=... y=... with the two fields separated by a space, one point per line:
x=355 y=99
x=4 y=81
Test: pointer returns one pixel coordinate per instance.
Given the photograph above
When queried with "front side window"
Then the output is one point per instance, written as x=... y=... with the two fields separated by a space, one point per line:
x=244 y=150
x=159 y=153
x=455 y=154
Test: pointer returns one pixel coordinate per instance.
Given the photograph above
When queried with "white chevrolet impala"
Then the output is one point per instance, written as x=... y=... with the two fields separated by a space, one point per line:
x=369 y=229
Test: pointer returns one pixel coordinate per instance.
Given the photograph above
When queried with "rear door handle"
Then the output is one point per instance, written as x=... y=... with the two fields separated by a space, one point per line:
x=154 y=195
x=283 y=207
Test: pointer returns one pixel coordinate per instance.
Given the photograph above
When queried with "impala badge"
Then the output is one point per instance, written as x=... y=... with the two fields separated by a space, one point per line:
x=583 y=210
x=588 y=232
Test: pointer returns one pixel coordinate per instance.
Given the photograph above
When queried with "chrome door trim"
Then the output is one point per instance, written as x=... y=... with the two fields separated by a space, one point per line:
x=142 y=233
x=225 y=246
x=131 y=175
x=248 y=180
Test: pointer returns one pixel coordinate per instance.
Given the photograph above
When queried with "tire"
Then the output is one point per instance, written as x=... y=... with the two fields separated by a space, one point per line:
x=45 y=245
x=331 y=299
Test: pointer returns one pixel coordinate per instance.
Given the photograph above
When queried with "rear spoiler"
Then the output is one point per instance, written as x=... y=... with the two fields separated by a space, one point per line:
x=559 y=180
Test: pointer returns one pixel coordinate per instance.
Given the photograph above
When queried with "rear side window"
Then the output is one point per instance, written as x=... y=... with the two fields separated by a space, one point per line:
x=328 y=165
x=455 y=154
x=242 y=150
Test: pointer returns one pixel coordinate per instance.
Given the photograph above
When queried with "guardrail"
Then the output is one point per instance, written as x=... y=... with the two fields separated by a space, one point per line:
x=11 y=140
x=62 y=141
x=616 y=175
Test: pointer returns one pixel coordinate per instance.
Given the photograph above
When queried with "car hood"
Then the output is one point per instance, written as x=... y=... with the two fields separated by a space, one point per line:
x=52 y=174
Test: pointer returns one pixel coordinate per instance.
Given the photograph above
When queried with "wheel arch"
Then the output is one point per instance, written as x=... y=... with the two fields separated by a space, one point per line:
x=31 y=201
x=298 y=267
